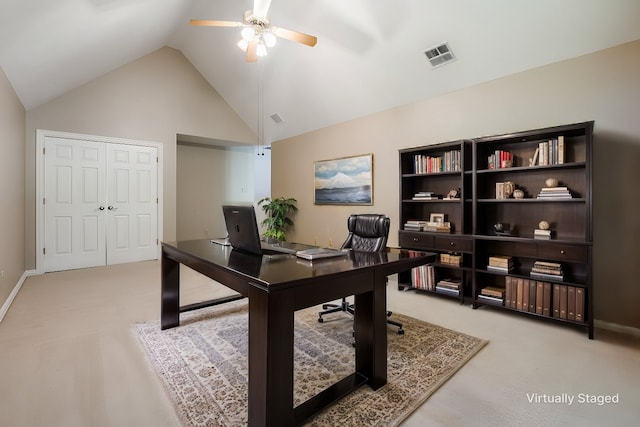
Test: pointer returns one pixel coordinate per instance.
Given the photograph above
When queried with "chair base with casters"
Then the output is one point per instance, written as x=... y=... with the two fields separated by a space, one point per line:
x=395 y=323
x=334 y=308
x=350 y=309
x=368 y=235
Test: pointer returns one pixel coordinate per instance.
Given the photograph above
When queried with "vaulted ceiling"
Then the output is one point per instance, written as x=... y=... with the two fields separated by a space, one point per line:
x=369 y=57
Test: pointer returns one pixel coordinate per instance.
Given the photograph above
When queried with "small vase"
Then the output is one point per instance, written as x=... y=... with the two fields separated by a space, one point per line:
x=551 y=182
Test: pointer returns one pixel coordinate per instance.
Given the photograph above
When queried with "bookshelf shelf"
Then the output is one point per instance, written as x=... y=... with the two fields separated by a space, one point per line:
x=532 y=200
x=527 y=161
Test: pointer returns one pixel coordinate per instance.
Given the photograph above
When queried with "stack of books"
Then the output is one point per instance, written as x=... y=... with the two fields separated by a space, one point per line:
x=425 y=195
x=554 y=193
x=492 y=295
x=449 y=287
x=500 y=264
x=542 y=234
x=438 y=227
x=415 y=225
x=547 y=270
x=451 y=259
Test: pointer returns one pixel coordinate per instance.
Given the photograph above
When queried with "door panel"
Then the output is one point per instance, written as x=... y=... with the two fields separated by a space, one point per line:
x=132 y=218
x=74 y=186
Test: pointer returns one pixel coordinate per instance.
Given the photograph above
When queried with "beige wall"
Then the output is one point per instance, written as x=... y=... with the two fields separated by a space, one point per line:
x=207 y=177
x=604 y=86
x=12 y=125
x=153 y=98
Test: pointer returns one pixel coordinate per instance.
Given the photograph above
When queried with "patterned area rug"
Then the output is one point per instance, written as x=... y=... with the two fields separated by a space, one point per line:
x=203 y=366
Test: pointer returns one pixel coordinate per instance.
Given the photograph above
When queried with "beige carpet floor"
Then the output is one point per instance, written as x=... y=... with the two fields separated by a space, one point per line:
x=203 y=366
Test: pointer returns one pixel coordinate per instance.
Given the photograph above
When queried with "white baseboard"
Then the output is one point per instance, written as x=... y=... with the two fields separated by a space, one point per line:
x=14 y=293
x=614 y=327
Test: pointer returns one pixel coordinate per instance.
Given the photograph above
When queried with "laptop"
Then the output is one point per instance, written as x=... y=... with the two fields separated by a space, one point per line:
x=243 y=234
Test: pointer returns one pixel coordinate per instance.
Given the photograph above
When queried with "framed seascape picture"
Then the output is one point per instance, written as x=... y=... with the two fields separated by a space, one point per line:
x=344 y=181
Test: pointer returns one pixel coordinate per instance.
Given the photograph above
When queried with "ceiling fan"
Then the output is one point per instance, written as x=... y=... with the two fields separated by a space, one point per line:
x=257 y=33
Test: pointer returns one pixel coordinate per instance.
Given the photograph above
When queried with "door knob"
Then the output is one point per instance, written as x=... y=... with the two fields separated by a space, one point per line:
x=101 y=208
x=111 y=208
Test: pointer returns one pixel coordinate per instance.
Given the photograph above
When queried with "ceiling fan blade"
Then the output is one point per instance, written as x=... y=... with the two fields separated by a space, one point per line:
x=295 y=36
x=261 y=8
x=252 y=51
x=210 y=23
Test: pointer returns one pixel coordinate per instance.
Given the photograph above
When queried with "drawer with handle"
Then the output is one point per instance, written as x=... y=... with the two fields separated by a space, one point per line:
x=559 y=252
x=453 y=244
x=415 y=240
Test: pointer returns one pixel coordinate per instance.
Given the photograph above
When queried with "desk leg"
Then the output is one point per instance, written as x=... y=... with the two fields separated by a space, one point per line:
x=270 y=359
x=170 y=293
x=370 y=325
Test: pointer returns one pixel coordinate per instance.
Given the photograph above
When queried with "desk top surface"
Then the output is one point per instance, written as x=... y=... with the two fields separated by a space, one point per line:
x=271 y=270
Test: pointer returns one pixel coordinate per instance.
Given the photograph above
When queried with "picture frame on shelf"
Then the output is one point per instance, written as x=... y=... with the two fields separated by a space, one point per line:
x=437 y=217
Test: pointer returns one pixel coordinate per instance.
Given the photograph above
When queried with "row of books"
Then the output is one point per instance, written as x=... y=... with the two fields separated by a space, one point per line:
x=550 y=152
x=447 y=162
x=423 y=277
x=547 y=270
x=545 y=298
x=555 y=193
x=500 y=159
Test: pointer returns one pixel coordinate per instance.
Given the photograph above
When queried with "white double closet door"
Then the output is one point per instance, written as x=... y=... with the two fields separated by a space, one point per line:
x=100 y=203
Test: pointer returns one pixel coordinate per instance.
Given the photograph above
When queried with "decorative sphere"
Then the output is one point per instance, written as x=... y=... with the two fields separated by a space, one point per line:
x=543 y=225
x=551 y=182
x=518 y=194
x=498 y=226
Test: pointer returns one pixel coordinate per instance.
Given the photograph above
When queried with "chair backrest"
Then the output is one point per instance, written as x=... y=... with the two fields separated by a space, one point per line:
x=367 y=232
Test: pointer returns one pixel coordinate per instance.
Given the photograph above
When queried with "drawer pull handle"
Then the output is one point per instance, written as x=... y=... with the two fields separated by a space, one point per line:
x=452 y=244
x=562 y=251
x=415 y=239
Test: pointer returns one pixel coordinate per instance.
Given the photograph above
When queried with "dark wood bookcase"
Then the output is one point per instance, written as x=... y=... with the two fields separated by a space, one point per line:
x=447 y=175
x=564 y=154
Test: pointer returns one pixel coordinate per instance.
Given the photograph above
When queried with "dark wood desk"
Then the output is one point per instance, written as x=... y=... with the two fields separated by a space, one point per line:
x=276 y=288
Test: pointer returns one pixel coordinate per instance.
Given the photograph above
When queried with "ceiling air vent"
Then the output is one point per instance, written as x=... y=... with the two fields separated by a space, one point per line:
x=277 y=118
x=440 y=55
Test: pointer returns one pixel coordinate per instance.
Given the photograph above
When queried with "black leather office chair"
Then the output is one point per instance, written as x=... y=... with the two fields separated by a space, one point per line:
x=368 y=233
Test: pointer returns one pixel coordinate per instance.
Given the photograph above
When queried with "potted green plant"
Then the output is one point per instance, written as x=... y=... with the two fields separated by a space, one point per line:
x=277 y=220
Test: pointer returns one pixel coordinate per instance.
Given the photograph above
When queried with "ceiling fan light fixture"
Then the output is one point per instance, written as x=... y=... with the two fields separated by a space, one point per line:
x=257 y=35
x=248 y=33
x=243 y=44
x=261 y=49
x=269 y=38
